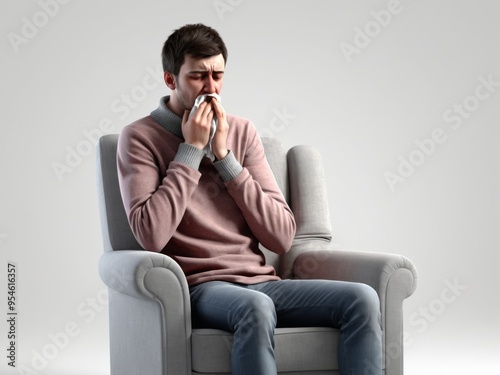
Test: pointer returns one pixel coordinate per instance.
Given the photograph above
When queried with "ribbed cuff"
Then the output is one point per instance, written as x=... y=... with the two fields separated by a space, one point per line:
x=228 y=168
x=189 y=155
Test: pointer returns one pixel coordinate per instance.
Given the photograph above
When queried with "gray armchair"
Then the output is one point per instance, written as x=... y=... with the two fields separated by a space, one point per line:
x=149 y=305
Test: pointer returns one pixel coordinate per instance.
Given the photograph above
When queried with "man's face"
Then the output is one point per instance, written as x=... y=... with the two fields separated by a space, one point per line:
x=197 y=77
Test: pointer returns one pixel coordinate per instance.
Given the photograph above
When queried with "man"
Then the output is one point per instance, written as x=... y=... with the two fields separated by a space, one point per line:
x=210 y=216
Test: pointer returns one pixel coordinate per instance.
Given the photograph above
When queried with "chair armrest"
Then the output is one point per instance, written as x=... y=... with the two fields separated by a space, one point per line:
x=149 y=306
x=375 y=269
x=139 y=273
x=394 y=278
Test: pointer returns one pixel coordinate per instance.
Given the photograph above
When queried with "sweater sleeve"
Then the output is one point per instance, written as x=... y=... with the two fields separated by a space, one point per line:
x=260 y=199
x=154 y=207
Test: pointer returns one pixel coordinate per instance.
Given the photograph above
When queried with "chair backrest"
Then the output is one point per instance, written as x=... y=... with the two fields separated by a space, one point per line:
x=116 y=232
x=299 y=173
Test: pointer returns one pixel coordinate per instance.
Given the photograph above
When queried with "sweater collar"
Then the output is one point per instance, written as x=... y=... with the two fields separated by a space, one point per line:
x=166 y=118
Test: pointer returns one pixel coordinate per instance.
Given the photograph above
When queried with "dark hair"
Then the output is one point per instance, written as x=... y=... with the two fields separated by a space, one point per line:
x=197 y=40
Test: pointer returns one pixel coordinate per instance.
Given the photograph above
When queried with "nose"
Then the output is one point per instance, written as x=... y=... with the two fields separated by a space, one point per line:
x=210 y=84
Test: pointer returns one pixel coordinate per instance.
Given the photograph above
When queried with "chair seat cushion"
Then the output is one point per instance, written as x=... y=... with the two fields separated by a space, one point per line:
x=296 y=349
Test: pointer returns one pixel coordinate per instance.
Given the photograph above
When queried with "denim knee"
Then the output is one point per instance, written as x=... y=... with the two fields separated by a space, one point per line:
x=365 y=302
x=254 y=314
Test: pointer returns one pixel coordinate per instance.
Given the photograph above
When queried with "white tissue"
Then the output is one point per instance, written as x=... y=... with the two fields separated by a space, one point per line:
x=200 y=99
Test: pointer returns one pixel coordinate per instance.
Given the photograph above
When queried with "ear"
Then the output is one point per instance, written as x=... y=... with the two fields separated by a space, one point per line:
x=169 y=80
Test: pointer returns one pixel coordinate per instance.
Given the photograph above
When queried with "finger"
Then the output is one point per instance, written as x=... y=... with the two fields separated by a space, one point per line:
x=205 y=109
x=199 y=110
x=219 y=111
x=215 y=105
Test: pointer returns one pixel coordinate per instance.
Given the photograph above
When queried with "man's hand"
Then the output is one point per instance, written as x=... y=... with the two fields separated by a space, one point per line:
x=196 y=130
x=219 y=146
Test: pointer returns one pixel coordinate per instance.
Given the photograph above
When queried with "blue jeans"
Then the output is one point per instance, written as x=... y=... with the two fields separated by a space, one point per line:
x=252 y=312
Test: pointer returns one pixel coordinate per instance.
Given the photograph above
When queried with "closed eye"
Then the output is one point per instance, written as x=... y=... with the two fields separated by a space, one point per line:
x=216 y=76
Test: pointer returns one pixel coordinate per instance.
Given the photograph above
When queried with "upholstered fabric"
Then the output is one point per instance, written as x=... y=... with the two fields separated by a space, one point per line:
x=296 y=349
x=116 y=232
x=149 y=306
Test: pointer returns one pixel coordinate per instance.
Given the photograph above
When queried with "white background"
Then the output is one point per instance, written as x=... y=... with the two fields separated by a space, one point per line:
x=365 y=102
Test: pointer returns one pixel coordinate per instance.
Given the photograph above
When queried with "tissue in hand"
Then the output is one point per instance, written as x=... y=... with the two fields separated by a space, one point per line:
x=200 y=99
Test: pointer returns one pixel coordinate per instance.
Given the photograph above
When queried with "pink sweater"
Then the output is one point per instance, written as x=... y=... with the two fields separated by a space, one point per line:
x=209 y=217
